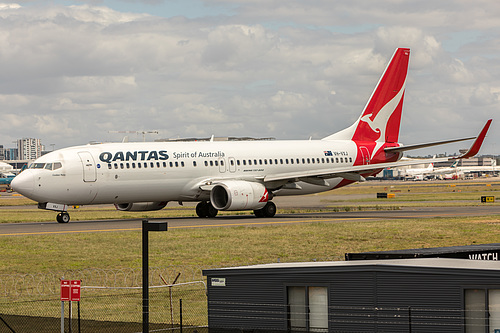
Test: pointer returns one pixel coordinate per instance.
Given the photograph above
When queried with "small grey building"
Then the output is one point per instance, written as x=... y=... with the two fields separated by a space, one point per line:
x=403 y=295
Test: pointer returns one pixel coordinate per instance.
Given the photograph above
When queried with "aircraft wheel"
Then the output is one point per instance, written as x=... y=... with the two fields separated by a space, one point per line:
x=259 y=212
x=202 y=209
x=211 y=211
x=63 y=217
x=269 y=209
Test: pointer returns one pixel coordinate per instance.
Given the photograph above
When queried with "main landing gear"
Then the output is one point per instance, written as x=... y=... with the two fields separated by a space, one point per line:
x=205 y=209
x=269 y=210
x=62 y=217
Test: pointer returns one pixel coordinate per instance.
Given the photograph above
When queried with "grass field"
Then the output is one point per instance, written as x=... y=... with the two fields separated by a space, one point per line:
x=250 y=245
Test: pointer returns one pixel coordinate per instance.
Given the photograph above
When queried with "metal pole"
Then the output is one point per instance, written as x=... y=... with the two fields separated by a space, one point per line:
x=62 y=317
x=409 y=319
x=180 y=312
x=145 y=277
x=79 y=318
x=70 y=315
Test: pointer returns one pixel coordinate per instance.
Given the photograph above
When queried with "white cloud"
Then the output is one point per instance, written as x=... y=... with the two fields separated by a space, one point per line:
x=69 y=74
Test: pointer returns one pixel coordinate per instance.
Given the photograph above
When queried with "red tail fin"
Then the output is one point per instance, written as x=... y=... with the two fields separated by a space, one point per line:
x=381 y=117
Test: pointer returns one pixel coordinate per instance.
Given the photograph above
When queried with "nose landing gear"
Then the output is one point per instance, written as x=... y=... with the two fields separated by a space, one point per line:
x=63 y=217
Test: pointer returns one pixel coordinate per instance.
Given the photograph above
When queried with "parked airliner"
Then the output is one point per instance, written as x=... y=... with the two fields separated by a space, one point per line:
x=229 y=175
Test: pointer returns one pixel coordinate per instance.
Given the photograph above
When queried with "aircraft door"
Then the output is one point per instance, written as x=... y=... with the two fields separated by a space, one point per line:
x=365 y=155
x=89 y=170
x=222 y=165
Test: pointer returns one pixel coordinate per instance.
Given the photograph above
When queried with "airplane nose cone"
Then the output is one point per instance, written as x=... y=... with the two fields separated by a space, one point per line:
x=24 y=184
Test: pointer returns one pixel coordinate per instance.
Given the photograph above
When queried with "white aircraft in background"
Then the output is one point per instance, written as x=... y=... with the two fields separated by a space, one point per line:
x=229 y=175
x=419 y=172
x=455 y=171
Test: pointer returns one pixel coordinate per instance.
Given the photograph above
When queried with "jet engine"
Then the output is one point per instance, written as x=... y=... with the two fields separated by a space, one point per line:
x=238 y=195
x=141 y=206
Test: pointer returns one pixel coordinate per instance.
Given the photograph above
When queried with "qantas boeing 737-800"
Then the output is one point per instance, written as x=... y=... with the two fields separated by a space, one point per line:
x=229 y=175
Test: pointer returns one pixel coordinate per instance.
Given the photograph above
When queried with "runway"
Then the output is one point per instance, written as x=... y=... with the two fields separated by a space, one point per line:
x=39 y=228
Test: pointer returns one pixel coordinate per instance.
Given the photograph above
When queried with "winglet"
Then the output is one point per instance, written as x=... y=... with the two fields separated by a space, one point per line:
x=474 y=149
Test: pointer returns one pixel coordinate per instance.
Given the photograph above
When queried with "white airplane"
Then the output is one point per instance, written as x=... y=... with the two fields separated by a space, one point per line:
x=412 y=172
x=229 y=175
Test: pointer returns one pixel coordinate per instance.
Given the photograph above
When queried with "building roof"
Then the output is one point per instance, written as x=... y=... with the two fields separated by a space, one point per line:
x=418 y=264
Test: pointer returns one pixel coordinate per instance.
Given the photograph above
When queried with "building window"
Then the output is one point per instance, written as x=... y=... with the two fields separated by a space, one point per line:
x=482 y=310
x=308 y=308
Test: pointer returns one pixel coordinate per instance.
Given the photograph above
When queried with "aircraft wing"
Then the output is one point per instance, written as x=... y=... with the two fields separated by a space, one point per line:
x=472 y=151
x=349 y=172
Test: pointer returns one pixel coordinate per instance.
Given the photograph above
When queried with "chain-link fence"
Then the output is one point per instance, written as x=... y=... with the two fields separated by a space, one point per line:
x=111 y=301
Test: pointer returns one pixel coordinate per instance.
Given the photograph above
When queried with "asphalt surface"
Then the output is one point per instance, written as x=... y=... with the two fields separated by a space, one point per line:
x=40 y=228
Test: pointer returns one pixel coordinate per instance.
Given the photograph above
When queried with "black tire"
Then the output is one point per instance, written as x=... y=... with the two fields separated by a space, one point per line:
x=269 y=209
x=259 y=213
x=211 y=211
x=63 y=217
x=202 y=209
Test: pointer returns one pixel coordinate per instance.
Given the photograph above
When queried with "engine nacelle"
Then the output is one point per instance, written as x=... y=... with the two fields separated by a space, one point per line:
x=141 y=206
x=238 y=195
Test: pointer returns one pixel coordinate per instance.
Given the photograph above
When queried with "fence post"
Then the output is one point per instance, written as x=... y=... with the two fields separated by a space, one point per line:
x=180 y=312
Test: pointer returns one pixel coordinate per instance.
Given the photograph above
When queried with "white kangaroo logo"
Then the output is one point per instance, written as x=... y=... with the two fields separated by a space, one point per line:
x=379 y=124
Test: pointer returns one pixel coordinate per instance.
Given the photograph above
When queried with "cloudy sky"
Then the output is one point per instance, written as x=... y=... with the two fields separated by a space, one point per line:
x=71 y=71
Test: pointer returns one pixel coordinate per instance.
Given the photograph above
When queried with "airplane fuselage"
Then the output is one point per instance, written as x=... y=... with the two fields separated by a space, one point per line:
x=140 y=172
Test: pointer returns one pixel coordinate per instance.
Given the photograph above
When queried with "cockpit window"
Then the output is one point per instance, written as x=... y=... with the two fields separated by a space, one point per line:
x=37 y=166
x=46 y=166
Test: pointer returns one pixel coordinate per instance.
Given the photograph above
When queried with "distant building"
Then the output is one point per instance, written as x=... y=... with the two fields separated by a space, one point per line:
x=29 y=149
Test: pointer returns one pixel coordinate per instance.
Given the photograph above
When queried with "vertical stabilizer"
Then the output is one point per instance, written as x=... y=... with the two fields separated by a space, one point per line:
x=381 y=117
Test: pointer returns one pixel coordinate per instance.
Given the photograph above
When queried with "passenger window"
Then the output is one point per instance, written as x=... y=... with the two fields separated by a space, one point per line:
x=206 y=163
x=249 y=162
x=110 y=166
x=244 y=162
x=194 y=163
x=157 y=164
x=128 y=165
x=152 y=164
x=211 y=163
x=164 y=164
x=176 y=164
x=145 y=165
x=216 y=163
x=139 y=165
x=133 y=165
x=350 y=159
